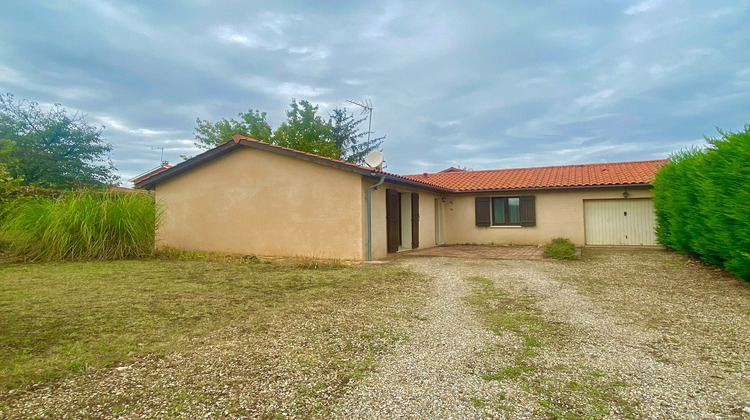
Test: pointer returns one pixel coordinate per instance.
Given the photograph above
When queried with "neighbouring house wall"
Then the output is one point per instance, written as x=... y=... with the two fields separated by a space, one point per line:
x=252 y=201
x=379 y=231
x=558 y=214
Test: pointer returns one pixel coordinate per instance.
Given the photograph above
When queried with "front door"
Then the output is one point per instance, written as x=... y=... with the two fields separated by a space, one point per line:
x=414 y=220
x=402 y=220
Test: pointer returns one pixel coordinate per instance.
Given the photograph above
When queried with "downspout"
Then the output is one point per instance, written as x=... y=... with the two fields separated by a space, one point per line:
x=369 y=215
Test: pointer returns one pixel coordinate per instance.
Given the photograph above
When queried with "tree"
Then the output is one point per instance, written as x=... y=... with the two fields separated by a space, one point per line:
x=352 y=142
x=252 y=124
x=53 y=149
x=6 y=147
x=305 y=131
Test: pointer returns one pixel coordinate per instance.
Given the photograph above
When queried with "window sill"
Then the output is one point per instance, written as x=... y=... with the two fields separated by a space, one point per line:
x=506 y=226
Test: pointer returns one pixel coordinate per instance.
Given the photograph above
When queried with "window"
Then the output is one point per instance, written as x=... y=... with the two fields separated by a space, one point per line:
x=506 y=211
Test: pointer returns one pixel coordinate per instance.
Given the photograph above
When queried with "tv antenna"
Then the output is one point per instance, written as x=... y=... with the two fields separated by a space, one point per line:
x=366 y=106
x=161 y=160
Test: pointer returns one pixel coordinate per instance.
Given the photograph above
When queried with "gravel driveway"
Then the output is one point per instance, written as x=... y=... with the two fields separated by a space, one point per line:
x=635 y=333
x=626 y=333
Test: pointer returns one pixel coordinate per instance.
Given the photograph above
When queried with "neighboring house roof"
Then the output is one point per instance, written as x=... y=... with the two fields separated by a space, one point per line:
x=146 y=175
x=449 y=180
x=118 y=188
x=452 y=169
x=571 y=176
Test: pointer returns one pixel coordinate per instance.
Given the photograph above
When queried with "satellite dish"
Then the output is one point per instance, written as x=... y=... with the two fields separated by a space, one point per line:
x=374 y=160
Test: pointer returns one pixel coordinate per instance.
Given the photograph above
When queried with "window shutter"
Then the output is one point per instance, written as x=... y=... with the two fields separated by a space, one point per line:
x=482 y=209
x=392 y=216
x=414 y=220
x=528 y=210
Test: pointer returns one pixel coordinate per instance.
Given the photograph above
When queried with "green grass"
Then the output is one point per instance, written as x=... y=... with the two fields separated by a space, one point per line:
x=502 y=313
x=584 y=394
x=59 y=320
x=82 y=225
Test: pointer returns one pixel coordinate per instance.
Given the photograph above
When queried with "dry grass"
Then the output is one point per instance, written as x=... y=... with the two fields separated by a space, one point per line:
x=192 y=336
x=700 y=309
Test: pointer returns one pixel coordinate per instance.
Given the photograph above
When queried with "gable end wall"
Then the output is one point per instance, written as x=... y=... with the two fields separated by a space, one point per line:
x=256 y=202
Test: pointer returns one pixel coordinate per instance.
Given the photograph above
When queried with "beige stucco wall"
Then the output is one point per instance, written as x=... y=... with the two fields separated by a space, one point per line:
x=252 y=201
x=379 y=231
x=558 y=214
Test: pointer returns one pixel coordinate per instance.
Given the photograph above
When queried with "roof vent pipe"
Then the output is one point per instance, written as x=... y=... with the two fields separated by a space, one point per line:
x=369 y=215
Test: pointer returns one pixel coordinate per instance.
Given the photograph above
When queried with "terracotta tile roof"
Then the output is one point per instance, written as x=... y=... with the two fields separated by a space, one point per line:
x=451 y=179
x=597 y=174
x=156 y=171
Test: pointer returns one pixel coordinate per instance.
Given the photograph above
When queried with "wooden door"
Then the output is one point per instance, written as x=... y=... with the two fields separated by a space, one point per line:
x=414 y=220
x=392 y=216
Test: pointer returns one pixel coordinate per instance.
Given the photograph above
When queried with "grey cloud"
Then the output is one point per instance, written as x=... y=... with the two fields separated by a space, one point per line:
x=481 y=84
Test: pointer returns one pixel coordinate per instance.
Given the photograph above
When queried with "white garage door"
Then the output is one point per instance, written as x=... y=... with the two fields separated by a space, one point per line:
x=620 y=222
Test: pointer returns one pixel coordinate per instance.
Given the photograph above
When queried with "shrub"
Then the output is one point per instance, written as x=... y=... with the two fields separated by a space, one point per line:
x=82 y=225
x=701 y=199
x=561 y=249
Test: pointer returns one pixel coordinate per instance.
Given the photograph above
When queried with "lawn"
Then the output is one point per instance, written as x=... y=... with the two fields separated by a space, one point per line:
x=288 y=339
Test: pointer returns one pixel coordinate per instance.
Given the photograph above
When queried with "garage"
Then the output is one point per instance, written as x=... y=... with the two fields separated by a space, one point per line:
x=620 y=222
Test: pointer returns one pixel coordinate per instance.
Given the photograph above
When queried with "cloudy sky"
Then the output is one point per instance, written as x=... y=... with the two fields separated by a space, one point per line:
x=476 y=84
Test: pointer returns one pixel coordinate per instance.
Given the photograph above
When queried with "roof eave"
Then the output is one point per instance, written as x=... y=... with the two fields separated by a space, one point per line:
x=394 y=179
x=572 y=187
x=218 y=151
x=303 y=156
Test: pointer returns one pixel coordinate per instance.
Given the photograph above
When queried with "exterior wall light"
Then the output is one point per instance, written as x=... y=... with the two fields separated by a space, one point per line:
x=625 y=194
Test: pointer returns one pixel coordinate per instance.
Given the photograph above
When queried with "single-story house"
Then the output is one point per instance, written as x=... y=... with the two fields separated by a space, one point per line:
x=250 y=197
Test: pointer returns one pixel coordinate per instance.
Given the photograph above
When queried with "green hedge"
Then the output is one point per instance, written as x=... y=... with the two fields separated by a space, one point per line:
x=12 y=196
x=702 y=201
x=82 y=225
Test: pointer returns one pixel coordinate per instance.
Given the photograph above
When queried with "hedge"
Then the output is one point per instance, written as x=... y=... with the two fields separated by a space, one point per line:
x=702 y=202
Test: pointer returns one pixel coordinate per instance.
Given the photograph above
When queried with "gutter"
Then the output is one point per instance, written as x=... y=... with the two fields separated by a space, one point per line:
x=571 y=187
x=369 y=214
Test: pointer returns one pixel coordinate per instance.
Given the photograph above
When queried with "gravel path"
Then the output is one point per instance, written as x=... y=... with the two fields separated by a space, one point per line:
x=438 y=371
x=604 y=360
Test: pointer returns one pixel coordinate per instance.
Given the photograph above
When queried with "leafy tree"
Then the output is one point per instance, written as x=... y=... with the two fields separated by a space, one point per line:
x=352 y=142
x=252 y=124
x=305 y=131
x=53 y=149
x=6 y=147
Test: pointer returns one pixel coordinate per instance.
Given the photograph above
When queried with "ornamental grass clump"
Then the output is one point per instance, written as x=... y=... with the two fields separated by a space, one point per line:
x=561 y=249
x=82 y=226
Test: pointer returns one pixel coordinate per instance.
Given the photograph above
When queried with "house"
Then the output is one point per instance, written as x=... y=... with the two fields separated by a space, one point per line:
x=148 y=174
x=250 y=197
